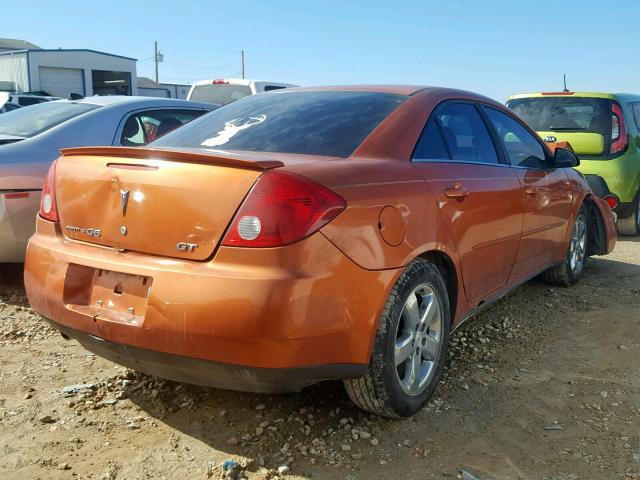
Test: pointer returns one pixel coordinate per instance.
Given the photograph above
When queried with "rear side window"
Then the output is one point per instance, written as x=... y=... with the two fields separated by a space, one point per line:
x=329 y=123
x=463 y=131
x=636 y=114
x=431 y=145
x=521 y=147
x=219 y=93
x=270 y=88
x=144 y=127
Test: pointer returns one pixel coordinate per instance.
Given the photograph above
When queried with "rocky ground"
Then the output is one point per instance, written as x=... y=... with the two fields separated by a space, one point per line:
x=542 y=386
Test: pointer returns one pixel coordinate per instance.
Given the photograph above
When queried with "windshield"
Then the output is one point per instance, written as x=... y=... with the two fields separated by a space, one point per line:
x=35 y=119
x=329 y=123
x=575 y=114
x=219 y=93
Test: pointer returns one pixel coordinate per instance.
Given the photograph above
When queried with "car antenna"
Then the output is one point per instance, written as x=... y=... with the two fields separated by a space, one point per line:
x=564 y=76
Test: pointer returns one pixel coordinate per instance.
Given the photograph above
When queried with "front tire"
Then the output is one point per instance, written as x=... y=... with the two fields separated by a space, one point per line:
x=570 y=271
x=410 y=347
x=631 y=225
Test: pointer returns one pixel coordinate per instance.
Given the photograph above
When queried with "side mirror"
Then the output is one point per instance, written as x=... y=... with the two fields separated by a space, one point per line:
x=563 y=158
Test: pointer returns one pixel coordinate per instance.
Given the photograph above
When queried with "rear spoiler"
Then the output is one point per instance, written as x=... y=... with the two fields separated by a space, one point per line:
x=192 y=155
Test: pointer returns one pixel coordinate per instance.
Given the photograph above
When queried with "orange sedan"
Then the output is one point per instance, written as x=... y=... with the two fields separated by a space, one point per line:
x=309 y=234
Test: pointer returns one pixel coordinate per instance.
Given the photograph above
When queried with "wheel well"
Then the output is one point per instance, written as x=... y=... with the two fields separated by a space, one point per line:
x=596 y=229
x=448 y=272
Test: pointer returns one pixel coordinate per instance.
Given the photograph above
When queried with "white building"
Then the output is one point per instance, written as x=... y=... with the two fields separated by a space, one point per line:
x=149 y=88
x=67 y=71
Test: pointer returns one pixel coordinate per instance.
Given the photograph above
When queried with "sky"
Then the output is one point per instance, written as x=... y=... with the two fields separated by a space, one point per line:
x=495 y=48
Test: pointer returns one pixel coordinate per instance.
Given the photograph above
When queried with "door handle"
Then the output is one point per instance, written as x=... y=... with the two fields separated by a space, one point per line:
x=531 y=190
x=456 y=191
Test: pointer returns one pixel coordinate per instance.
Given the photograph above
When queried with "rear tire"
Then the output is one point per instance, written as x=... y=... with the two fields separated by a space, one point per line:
x=410 y=346
x=571 y=269
x=631 y=225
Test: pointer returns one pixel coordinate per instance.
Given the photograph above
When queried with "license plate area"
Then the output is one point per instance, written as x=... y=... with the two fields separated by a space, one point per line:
x=107 y=295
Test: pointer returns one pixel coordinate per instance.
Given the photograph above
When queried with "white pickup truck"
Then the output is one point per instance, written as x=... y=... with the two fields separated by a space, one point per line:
x=227 y=90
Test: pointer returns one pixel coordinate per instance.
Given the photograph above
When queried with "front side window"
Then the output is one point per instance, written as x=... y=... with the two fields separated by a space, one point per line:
x=521 y=147
x=463 y=132
x=324 y=123
x=144 y=127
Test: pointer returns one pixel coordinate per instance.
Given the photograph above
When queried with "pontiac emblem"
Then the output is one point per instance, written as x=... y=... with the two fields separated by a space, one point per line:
x=124 y=201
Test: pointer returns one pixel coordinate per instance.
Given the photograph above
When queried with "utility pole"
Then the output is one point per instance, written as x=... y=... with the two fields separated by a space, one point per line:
x=242 y=62
x=156 y=59
x=564 y=76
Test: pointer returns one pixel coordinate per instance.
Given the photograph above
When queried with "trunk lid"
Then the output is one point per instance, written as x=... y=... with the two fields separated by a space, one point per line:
x=583 y=143
x=171 y=203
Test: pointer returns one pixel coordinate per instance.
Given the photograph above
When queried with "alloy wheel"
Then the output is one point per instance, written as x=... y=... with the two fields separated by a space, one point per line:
x=418 y=339
x=578 y=244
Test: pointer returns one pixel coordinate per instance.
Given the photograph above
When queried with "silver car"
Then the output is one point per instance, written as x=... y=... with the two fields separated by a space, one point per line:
x=31 y=137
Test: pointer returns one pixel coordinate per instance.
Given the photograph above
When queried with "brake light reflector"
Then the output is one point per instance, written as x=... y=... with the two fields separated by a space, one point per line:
x=220 y=82
x=15 y=195
x=48 y=207
x=612 y=201
x=619 y=137
x=282 y=208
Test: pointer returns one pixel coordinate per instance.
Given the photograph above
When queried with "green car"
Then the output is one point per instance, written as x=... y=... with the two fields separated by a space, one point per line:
x=604 y=131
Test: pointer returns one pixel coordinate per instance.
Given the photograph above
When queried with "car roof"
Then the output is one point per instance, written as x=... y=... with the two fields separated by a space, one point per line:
x=397 y=89
x=108 y=100
x=407 y=90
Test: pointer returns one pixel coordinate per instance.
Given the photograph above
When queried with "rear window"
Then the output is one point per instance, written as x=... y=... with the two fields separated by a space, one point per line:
x=570 y=114
x=309 y=123
x=35 y=119
x=220 y=94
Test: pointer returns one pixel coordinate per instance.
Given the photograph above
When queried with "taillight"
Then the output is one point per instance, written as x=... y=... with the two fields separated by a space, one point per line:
x=220 y=82
x=619 y=137
x=48 y=207
x=612 y=201
x=281 y=209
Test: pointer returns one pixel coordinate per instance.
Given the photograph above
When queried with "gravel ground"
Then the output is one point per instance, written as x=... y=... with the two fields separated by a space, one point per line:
x=541 y=386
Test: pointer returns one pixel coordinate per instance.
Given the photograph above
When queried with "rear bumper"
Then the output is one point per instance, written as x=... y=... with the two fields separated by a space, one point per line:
x=208 y=373
x=304 y=305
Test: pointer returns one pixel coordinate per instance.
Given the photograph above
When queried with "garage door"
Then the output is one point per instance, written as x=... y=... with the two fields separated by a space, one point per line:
x=61 y=82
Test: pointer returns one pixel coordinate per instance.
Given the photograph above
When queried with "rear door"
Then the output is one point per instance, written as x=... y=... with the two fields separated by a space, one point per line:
x=548 y=197
x=479 y=197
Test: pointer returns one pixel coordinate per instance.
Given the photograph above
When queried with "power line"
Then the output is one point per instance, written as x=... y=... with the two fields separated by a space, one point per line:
x=198 y=66
x=208 y=52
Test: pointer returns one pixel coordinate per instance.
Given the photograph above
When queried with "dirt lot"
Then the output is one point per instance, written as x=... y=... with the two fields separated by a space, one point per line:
x=542 y=386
